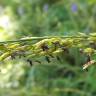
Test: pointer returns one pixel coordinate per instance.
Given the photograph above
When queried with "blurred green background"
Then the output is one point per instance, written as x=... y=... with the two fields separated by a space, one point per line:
x=22 y=18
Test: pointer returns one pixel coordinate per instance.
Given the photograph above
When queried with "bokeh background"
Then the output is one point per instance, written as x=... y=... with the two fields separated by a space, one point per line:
x=22 y=18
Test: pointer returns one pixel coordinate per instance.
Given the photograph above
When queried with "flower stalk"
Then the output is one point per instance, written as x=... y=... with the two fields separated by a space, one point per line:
x=48 y=46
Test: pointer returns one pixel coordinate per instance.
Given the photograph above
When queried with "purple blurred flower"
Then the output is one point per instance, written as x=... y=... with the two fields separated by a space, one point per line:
x=45 y=7
x=74 y=7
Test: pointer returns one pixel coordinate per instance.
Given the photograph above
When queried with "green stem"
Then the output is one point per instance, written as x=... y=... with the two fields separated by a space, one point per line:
x=40 y=38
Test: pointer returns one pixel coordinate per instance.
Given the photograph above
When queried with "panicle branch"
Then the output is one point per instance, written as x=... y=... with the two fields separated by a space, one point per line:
x=49 y=46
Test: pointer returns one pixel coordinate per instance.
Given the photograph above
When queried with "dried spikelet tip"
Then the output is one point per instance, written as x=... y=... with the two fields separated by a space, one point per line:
x=89 y=64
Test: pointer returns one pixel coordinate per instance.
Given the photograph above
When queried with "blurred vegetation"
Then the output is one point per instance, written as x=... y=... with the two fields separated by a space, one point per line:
x=22 y=18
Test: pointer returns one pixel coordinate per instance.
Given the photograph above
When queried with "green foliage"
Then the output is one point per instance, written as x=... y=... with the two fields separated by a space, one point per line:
x=56 y=71
x=51 y=17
